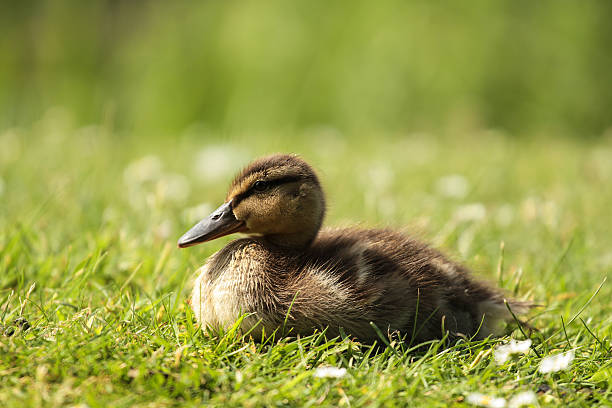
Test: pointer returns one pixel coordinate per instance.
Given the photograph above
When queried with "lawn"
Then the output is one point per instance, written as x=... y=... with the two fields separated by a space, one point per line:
x=93 y=291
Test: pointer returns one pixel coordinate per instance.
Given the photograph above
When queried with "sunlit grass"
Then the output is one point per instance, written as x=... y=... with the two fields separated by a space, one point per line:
x=91 y=221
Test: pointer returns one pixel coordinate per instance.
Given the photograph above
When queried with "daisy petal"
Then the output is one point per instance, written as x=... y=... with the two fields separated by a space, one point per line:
x=526 y=398
x=483 y=400
x=330 y=372
x=556 y=362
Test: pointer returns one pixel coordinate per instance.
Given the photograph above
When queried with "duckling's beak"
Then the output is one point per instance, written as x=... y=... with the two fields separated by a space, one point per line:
x=221 y=222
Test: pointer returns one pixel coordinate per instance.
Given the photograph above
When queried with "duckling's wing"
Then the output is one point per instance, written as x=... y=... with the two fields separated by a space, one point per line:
x=400 y=284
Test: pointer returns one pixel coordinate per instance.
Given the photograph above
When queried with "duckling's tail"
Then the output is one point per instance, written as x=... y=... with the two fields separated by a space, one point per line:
x=499 y=311
x=519 y=308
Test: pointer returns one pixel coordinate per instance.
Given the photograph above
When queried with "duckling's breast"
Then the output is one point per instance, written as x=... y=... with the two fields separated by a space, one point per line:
x=229 y=286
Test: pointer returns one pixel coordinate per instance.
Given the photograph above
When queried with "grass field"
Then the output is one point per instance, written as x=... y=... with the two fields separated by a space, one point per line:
x=93 y=289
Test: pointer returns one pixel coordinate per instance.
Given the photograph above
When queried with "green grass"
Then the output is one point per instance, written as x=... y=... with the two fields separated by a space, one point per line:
x=108 y=323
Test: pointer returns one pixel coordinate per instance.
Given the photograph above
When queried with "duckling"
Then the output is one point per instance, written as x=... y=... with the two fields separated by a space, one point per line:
x=288 y=273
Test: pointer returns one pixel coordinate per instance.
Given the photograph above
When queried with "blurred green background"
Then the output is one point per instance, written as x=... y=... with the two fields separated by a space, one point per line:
x=158 y=68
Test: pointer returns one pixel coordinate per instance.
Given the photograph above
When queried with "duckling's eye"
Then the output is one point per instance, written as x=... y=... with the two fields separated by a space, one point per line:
x=260 y=185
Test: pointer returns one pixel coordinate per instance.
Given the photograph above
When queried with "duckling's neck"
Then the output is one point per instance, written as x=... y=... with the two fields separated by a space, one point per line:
x=298 y=230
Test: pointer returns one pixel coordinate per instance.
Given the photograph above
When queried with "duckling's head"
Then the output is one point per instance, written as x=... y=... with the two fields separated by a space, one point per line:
x=278 y=197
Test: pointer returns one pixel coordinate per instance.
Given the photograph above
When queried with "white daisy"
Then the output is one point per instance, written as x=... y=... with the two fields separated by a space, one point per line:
x=471 y=212
x=216 y=162
x=453 y=186
x=503 y=352
x=526 y=398
x=148 y=168
x=556 y=362
x=330 y=372
x=483 y=400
